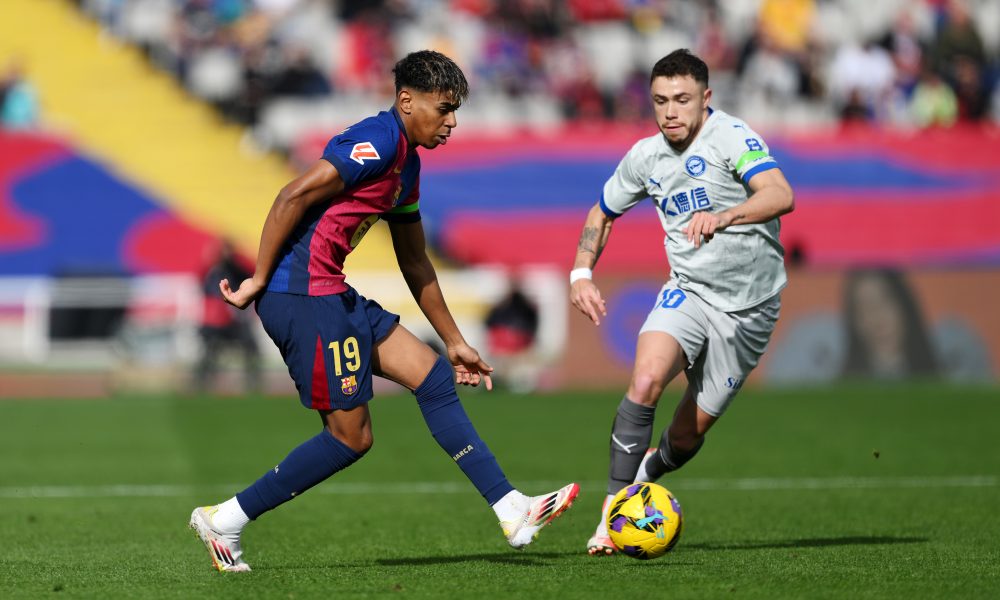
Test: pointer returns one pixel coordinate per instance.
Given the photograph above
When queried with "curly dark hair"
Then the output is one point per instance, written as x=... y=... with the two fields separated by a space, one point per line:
x=679 y=63
x=430 y=71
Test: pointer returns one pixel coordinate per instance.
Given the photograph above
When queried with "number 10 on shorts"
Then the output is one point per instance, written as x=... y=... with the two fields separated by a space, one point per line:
x=350 y=353
x=671 y=298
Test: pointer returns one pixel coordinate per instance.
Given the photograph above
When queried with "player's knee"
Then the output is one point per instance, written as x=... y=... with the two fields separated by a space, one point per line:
x=360 y=441
x=646 y=387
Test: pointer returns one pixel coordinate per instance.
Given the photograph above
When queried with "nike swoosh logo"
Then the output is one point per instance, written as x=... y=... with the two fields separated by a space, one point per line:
x=626 y=447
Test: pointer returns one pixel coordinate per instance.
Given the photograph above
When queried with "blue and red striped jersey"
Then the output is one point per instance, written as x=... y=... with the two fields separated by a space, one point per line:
x=382 y=178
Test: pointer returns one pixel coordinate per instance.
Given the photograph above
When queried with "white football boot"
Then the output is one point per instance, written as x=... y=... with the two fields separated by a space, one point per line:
x=223 y=548
x=539 y=512
x=600 y=543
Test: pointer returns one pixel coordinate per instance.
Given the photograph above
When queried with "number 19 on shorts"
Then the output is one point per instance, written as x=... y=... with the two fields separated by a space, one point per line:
x=345 y=355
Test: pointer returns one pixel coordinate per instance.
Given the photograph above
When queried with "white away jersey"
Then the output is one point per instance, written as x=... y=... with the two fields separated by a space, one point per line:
x=743 y=265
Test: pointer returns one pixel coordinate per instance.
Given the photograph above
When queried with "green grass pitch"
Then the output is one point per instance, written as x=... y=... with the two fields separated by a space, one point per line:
x=849 y=491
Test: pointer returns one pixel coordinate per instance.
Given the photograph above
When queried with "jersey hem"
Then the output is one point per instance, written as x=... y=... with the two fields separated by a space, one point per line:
x=747 y=306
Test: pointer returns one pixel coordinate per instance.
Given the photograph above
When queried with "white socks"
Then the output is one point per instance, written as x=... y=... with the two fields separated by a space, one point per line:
x=602 y=527
x=230 y=518
x=641 y=476
x=512 y=506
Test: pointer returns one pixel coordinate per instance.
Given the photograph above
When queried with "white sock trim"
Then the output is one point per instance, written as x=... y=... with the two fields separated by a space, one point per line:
x=230 y=518
x=512 y=506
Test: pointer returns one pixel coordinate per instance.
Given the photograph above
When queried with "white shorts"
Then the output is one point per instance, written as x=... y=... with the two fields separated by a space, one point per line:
x=721 y=348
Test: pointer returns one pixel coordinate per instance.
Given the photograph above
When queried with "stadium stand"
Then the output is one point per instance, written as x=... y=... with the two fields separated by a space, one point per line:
x=292 y=66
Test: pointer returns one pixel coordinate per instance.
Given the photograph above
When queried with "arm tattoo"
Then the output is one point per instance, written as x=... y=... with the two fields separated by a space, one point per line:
x=589 y=240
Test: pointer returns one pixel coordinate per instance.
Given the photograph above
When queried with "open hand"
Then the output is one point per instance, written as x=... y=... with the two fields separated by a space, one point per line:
x=587 y=298
x=470 y=368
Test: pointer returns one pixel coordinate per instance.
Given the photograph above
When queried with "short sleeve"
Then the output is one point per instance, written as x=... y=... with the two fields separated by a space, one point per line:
x=745 y=151
x=626 y=187
x=361 y=152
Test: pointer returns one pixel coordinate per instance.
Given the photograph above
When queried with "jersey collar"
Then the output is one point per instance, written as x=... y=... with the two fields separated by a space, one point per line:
x=399 y=121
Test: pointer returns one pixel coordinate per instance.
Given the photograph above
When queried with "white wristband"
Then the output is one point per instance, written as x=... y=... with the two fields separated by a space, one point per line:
x=581 y=273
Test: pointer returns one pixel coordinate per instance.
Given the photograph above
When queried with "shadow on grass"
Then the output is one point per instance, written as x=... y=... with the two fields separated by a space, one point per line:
x=852 y=540
x=539 y=559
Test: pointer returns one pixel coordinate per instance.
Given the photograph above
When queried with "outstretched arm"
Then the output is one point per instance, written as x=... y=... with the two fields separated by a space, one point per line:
x=772 y=197
x=411 y=253
x=317 y=184
x=583 y=293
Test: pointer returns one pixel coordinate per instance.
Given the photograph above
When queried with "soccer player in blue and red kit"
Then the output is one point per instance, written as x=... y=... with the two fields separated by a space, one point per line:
x=333 y=339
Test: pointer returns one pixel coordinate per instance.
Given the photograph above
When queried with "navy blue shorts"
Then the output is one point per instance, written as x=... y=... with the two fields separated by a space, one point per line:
x=327 y=343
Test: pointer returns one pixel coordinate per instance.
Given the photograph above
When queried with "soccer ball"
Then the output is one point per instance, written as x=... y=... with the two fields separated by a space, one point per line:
x=645 y=520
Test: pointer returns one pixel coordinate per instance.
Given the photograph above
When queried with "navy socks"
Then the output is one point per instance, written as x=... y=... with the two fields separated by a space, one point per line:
x=307 y=465
x=323 y=455
x=453 y=431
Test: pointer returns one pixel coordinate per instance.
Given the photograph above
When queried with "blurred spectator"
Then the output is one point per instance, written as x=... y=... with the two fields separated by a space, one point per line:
x=787 y=23
x=970 y=90
x=511 y=327
x=861 y=80
x=769 y=77
x=957 y=37
x=18 y=99
x=224 y=327
x=564 y=61
x=712 y=45
x=904 y=45
x=933 y=103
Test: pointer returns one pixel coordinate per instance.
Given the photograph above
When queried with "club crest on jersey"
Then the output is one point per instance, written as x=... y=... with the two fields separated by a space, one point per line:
x=363 y=151
x=695 y=166
x=349 y=384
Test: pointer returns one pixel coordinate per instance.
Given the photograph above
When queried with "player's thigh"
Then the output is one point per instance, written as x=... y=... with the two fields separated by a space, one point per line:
x=327 y=343
x=671 y=338
x=403 y=358
x=734 y=348
x=658 y=359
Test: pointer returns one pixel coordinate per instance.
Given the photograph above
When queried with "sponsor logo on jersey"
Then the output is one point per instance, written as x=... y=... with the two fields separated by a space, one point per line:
x=686 y=201
x=363 y=151
x=349 y=384
x=695 y=166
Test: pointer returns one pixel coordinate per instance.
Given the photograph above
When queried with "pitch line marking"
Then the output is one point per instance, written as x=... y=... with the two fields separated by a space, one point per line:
x=462 y=487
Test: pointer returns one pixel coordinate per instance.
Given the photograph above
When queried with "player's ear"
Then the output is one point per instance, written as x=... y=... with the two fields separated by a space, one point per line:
x=404 y=100
x=708 y=96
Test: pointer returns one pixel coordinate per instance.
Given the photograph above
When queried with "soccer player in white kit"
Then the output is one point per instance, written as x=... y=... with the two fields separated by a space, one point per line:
x=718 y=194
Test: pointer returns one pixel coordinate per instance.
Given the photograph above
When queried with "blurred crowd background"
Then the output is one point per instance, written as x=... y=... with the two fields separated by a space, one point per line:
x=142 y=142
x=284 y=66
